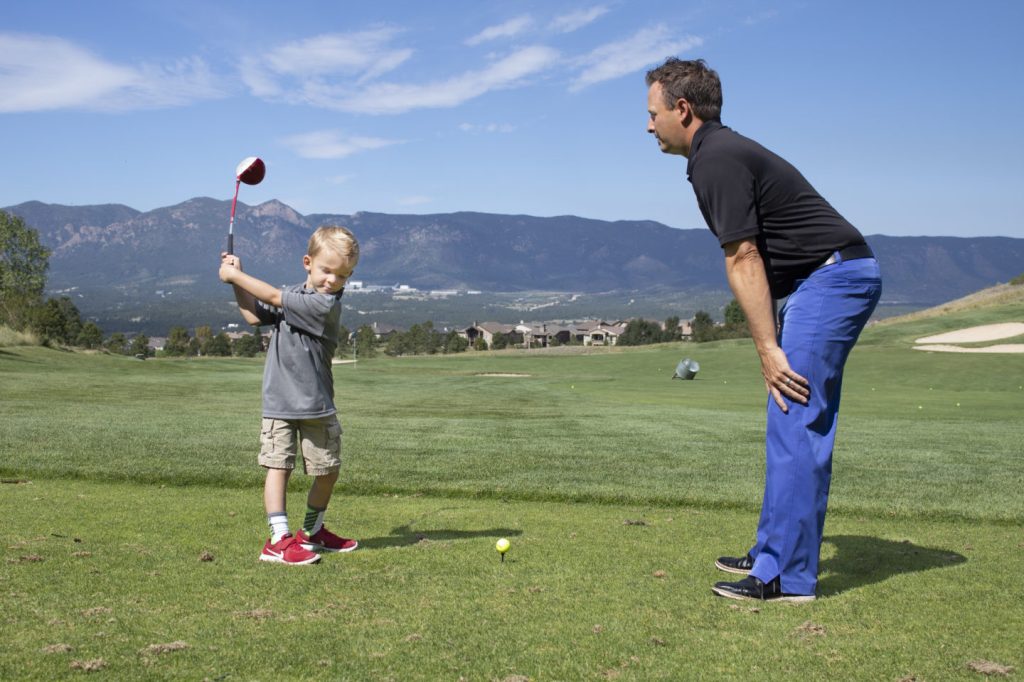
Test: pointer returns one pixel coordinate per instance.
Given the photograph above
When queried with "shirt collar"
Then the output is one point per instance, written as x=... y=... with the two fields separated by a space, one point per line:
x=705 y=129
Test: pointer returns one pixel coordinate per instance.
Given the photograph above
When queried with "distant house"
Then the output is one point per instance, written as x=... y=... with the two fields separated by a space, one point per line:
x=604 y=334
x=383 y=332
x=487 y=330
x=157 y=343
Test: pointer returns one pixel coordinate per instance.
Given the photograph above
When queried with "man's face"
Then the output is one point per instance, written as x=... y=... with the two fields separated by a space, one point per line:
x=328 y=271
x=666 y=124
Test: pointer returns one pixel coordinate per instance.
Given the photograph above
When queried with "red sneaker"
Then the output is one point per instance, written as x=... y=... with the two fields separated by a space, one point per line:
x=325 y=541
x=288 y=551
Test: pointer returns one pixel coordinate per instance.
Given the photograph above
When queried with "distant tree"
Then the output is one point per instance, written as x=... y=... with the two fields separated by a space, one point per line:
x=344 y=342
x=672 y=331
x=203 y=337
x=453 y=343
x=23 y=264
x=140 y=346
x=480 y=343
x=91 y=336
x=422 y=339
x=397 y=345
x=116 y=343
x=1019 y=279
x=734 y=314
x=219 y=346
x=500 y=341
x=640 y=332
x=57 y=321
x=247 y=345
x=703 y=327
x=366 y=342
x=177 y=342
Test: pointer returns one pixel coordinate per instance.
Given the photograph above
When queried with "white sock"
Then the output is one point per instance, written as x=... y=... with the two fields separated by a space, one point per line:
x=278 y=526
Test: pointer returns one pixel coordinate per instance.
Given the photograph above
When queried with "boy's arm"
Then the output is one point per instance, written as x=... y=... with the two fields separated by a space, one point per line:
x=248 y=289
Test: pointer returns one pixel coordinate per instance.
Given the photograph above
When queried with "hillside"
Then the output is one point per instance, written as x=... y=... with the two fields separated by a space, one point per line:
x=133 y=270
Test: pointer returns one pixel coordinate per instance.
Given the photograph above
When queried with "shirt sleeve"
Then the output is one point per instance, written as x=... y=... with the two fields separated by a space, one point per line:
x=726 y=194
x=307 y=311
x=267 y=314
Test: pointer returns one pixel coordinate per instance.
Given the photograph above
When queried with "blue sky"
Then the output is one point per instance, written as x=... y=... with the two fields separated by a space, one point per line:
x=906 y=115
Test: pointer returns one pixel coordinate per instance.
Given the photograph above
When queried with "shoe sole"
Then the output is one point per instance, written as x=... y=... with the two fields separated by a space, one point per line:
x=729 y=569
x=791 y=598
x=320 y=548
x=280 y=560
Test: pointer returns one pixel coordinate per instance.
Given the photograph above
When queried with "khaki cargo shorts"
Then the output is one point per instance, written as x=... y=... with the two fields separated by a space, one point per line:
x=321 y=444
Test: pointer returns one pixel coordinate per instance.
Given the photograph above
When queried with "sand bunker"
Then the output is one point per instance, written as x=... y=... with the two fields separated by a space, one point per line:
x=1001 y=348
x=988 y=332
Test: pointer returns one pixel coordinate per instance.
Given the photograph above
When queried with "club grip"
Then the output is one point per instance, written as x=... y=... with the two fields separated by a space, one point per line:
x=231 y=244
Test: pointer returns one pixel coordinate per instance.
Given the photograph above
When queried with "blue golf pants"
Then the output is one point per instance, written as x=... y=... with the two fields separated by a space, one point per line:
x=818 y=326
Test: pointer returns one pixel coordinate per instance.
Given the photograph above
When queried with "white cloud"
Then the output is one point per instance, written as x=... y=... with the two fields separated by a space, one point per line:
x=487 y=127
x=567 y=23
x=40 y=73
x=395 y=98
x=507 y=29
x=643 y=48
x=332 y=144
x=298 y=67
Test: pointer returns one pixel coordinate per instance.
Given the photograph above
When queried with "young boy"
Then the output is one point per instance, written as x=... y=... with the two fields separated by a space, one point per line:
x=298 y=388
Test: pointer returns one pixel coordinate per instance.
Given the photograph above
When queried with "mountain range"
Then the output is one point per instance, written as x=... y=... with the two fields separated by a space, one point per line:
x=126 y=252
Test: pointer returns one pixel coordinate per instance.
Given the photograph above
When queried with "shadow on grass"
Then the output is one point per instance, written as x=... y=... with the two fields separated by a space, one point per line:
x=861 y=560
x=403 y=536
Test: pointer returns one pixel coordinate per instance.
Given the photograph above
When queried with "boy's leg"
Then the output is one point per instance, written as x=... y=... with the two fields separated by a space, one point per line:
x=278 y=448
x=274 y=490
x=321 y=454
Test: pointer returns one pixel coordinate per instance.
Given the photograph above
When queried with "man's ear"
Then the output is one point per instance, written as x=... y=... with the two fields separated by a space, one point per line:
x=685 y=111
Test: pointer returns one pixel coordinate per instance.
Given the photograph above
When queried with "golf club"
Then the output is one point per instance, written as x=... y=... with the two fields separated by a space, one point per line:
x=250 y=171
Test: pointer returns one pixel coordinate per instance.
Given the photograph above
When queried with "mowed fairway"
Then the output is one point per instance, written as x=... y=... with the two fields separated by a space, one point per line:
x=617 y=487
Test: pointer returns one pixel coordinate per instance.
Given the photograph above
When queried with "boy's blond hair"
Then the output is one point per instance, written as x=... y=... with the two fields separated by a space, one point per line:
x=335 y=237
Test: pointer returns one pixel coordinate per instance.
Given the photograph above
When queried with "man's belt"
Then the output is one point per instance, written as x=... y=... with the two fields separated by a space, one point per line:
x=849 y=253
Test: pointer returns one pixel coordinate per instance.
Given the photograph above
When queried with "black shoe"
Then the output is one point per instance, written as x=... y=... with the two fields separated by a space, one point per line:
x=752 y=588
x=730 y=564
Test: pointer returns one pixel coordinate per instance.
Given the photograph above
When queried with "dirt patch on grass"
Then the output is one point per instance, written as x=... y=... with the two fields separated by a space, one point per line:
x=156 y=649
x=990 y=668
x=514 y=375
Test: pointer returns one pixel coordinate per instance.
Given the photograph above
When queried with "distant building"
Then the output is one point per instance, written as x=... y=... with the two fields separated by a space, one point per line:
x=487 y=330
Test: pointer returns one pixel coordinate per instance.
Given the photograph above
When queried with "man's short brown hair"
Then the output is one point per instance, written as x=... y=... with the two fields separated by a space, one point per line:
x=690 y=80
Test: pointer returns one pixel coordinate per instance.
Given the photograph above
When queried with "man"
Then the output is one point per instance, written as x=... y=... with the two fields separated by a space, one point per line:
x=780 y=239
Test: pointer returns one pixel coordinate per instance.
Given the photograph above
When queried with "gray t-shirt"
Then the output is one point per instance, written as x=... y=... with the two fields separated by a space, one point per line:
x=297 y=381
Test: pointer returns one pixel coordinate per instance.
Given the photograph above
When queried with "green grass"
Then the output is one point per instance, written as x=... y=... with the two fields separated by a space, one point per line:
x=150 y=463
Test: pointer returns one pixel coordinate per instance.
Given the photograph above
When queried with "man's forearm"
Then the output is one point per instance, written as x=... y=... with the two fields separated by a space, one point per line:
x=744 y=269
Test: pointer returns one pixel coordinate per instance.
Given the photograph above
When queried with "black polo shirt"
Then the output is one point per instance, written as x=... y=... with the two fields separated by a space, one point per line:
x=746 y=191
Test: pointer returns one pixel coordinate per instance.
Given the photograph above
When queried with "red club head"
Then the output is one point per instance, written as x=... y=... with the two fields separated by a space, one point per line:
x=251 y=170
